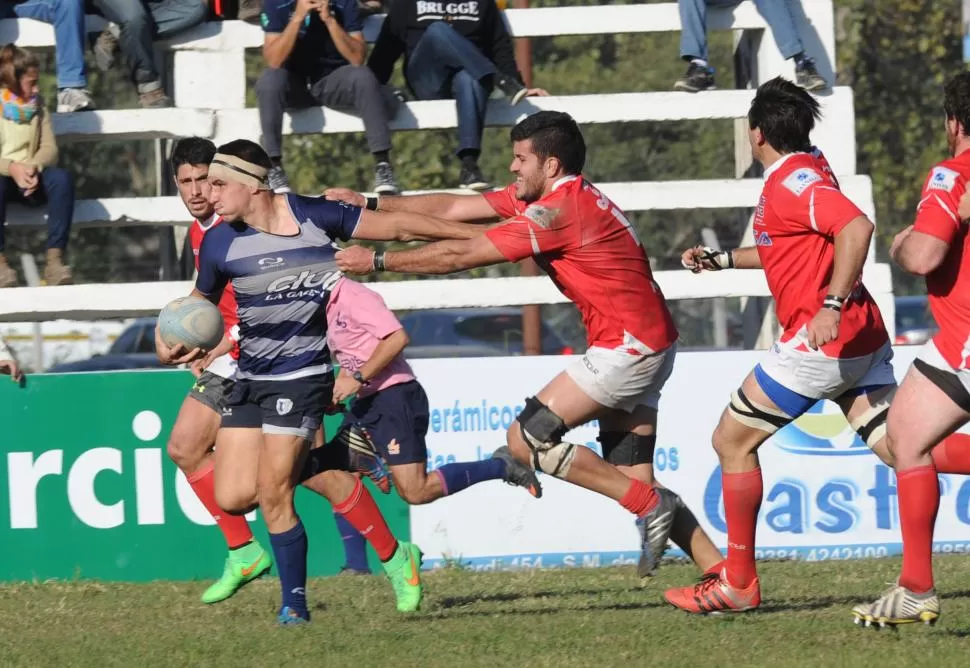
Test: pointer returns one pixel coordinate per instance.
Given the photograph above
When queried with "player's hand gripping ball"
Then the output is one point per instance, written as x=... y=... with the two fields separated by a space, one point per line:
x=191 y=322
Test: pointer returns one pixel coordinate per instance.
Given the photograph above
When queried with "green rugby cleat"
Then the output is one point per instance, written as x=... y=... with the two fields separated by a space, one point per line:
x=242 y=566
x=404 y=571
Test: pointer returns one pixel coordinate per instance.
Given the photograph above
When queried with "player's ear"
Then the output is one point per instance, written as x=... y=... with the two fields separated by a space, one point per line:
x=552 y=167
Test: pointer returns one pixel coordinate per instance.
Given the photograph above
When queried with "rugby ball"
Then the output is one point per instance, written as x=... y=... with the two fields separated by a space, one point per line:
x=192 y=322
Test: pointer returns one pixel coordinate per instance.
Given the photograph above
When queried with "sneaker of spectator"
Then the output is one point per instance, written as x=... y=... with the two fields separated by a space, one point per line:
x=74 y=99
x=279 y=183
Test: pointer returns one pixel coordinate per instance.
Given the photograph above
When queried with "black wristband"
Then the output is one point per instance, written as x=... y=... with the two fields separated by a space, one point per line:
x=378 y=261
x=373 y=201
x=730 y=255
x=833 y=302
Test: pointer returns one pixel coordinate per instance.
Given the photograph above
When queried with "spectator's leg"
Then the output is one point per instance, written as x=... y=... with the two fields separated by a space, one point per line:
x=67 y=17
x=172 y=17
x=780 y=17
x=276 y=89
x=355 y=88
x=57 y=188
x=471 y=100
x=446 y=51
x=136 y=39
x=8 y=275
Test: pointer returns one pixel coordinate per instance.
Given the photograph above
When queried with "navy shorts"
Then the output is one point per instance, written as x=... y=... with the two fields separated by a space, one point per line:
x=397 y=419
x=288 y=407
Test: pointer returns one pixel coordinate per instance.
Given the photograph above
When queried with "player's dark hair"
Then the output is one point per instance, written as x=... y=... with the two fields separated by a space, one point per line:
x=192 y=151
x=956 y=100
x=554 y=134
x=785 y=114
x=247 y=150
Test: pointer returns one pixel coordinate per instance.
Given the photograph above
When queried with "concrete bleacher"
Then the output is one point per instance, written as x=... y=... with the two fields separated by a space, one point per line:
x=215 y=107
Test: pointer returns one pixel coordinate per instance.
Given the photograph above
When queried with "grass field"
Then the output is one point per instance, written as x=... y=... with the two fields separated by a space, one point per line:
x=552 y=618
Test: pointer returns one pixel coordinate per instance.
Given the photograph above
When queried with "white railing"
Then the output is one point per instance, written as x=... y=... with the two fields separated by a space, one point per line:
x=215 y=107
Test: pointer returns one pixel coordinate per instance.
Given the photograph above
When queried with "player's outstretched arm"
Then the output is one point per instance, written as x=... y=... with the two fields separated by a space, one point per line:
x=463 y=208
x=442 y=257
x=404 y=226
x=705 y=258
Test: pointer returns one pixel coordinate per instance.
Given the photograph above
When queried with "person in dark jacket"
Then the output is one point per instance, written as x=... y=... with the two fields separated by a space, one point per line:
x=458 y=50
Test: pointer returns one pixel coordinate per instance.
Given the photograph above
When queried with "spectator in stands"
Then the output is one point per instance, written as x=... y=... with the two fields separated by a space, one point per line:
x=780 y=17
x=28 y=152
x=67 y=17
x=8 y=364
x=454 y=50
x=133 y=28
x=314 y=52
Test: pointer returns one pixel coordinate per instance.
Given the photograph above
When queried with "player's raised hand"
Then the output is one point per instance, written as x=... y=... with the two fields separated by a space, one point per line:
x=704 y=258
x=345 y=195
x=823 y=328
x=355 y=260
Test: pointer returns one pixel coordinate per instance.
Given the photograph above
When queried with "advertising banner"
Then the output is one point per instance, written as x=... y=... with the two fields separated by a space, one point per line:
x=87 y=489
x=826 y=495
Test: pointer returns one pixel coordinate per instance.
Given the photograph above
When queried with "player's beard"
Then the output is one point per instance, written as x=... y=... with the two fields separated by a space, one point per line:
x=530 y=190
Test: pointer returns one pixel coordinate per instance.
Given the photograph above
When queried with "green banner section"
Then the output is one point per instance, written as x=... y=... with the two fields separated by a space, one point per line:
x=88 y=491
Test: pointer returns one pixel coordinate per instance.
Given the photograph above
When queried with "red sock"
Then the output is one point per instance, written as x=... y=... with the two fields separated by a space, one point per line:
x=919 y=500
x=361 y=511
x=742 y=501
x=235 y=528
x=640 y=498
x=952 y=455
x=716 y=568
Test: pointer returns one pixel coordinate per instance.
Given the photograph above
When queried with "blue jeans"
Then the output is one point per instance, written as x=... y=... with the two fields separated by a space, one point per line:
x=56 y=191
x=67 y=17
x=142 y=23
x=445 y=64
x=778 y=15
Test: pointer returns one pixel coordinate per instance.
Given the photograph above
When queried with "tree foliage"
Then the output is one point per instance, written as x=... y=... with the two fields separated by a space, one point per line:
x=897 y=56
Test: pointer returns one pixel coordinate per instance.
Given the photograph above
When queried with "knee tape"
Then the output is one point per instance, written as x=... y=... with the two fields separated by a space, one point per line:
x=756 y=416
x=542 y=430
x=625 y=449
x=871 y=425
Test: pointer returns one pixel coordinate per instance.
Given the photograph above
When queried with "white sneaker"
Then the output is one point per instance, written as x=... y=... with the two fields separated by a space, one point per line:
x=74 y=99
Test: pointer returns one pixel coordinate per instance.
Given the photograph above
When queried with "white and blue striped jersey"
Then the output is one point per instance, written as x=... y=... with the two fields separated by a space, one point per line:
x=282 y=285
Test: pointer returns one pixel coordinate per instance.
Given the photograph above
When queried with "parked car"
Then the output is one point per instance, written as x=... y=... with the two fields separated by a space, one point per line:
x=914 y=322
x=497 y=328
x=133 y=349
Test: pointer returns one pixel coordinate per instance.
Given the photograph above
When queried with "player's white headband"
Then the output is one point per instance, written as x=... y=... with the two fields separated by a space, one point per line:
x=230 y=168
